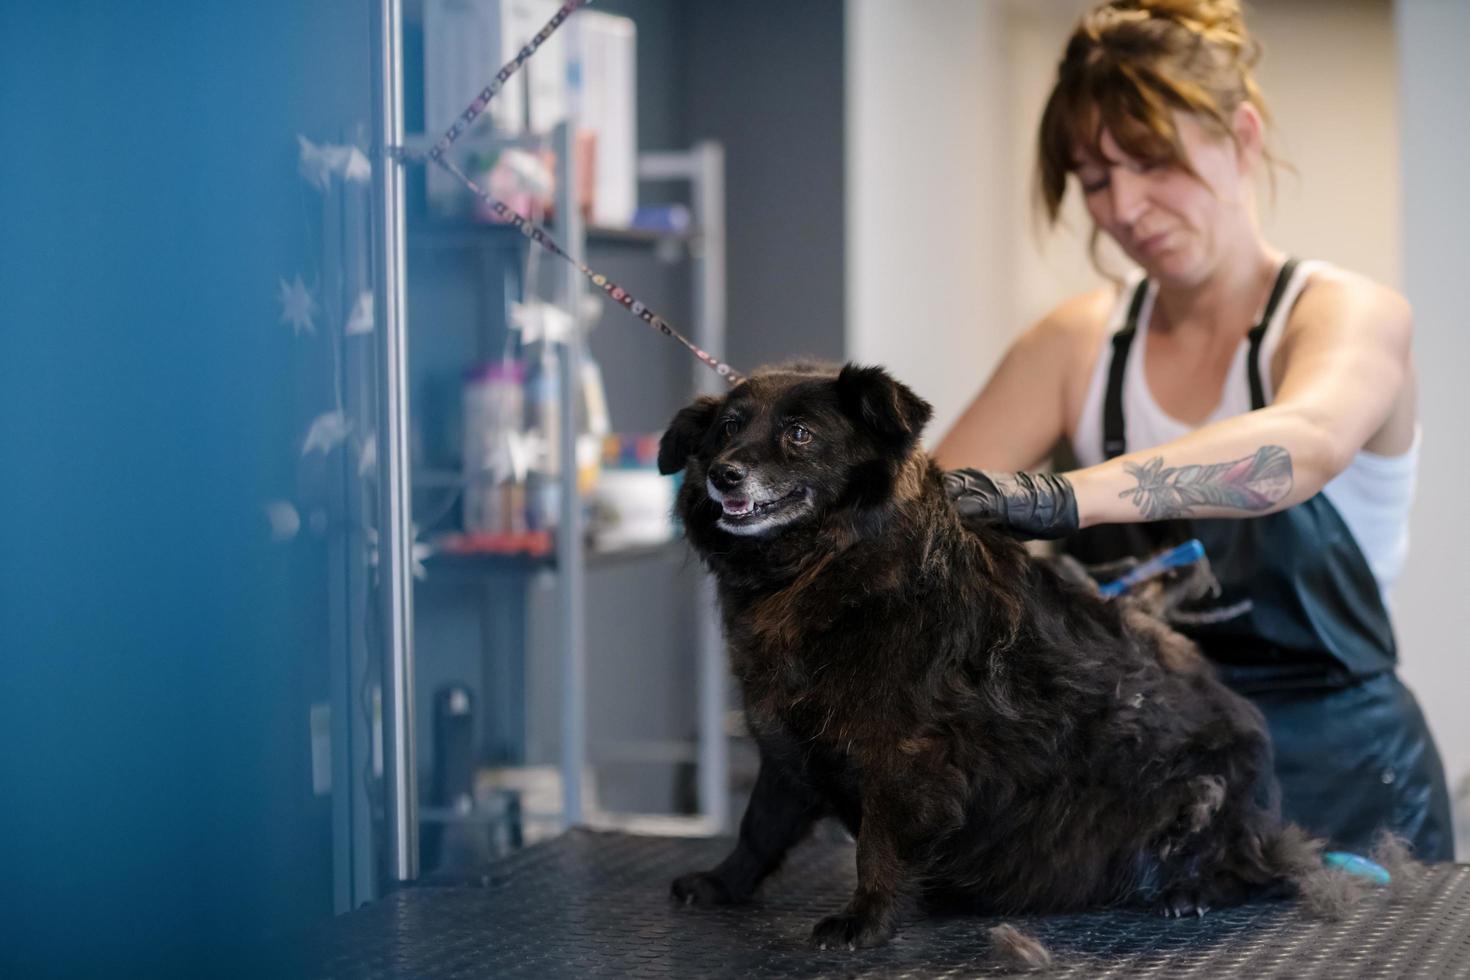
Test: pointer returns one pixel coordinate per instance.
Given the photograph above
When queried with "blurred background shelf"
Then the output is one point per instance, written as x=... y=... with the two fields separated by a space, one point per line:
x=568 y=658
x=471 y=563
x=466 y=234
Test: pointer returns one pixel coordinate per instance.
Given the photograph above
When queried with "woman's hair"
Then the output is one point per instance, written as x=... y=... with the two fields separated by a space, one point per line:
x=1128 y=66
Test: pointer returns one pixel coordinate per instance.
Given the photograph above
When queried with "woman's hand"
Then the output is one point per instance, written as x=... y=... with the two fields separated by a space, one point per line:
x=1037 y=505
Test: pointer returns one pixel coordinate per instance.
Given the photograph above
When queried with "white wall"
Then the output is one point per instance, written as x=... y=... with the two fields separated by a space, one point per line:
x=1330 y=74
x=927 y=193
x=944 y=269
x=1431 y=600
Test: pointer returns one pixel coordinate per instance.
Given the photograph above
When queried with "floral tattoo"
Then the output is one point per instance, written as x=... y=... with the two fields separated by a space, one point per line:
x=1251 y=483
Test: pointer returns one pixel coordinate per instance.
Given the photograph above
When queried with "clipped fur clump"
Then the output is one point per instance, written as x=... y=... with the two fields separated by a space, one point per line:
x=1393 y=853
x=995 y=735
x=1331 y=894
x=1019 y=949
x=1327 y=893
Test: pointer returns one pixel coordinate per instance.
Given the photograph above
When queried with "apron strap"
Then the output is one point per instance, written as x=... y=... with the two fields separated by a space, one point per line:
x=1258 y=332
x=1114 y=442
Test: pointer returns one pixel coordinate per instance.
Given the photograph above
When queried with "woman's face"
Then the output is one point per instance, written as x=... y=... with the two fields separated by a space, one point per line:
x=1173 y=225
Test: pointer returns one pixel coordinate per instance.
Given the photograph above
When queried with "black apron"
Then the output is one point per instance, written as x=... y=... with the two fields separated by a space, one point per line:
x=1300 y=628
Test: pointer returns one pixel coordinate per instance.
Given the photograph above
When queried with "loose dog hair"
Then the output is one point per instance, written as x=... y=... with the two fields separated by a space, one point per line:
x=992 y=732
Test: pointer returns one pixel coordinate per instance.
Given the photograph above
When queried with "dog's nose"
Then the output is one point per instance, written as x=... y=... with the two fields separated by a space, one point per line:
x=727 y=476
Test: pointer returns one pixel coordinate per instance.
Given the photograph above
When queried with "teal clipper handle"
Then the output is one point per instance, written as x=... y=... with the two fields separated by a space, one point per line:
x=1187 y=553
x=1354 y=864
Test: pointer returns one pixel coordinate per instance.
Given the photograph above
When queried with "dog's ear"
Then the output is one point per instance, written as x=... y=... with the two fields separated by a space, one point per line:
x=888 y=408
x=685 y=432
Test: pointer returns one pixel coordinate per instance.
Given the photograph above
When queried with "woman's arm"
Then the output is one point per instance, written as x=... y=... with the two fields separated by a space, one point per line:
x=1345 y=357
x=1017 y=418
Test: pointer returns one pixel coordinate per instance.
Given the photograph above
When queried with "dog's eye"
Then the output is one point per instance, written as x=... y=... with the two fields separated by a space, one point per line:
x=799 y=434
x=728 y=427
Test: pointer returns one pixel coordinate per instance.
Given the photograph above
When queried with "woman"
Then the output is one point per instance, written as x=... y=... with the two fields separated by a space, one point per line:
x=1226 y=392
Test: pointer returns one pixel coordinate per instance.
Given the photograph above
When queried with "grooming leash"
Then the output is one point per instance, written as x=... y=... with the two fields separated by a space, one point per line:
x=530 y=229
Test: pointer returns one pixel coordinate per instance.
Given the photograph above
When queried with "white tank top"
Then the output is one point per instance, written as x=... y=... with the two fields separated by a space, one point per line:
x=1373 y=494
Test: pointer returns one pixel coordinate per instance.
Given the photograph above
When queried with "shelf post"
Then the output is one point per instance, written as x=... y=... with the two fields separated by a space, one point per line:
x=395 y=529
x=571 y=581
x=708 y=196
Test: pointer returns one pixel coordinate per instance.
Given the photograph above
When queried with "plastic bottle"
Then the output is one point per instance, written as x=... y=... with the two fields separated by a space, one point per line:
x=494 y=472
x=544 y=422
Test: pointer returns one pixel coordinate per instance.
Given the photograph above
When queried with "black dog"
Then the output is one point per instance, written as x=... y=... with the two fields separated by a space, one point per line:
x=990 y=730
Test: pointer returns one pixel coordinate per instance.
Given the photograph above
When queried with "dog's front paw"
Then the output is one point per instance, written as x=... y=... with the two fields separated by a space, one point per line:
x=701 y=888
x=847 y=930
x=1180 y=902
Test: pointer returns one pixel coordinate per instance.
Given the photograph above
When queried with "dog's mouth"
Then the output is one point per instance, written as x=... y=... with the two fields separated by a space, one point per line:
x=741 y=508
x=741 y=512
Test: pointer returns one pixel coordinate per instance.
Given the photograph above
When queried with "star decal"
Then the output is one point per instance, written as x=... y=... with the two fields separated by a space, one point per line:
x=328 y=431
x=297 y=306
x=361 y=320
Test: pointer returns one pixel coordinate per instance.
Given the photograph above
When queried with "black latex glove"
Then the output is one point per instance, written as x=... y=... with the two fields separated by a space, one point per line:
x=1037 y=505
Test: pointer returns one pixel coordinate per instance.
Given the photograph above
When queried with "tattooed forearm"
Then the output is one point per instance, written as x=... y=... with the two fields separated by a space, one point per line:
x=1251 y=483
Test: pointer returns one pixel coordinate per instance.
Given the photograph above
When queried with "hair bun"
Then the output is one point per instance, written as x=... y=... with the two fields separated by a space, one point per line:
x=1220 y=23
x=1215 y=19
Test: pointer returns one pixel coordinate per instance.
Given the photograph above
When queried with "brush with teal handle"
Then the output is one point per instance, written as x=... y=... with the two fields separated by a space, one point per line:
x=1187 y=553
x=1355 y=864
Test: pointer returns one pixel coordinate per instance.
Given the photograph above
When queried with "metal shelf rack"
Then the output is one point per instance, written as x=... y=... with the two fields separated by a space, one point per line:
x=702 y=168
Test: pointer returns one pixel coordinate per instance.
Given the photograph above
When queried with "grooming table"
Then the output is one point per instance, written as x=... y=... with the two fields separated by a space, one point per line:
x=593 y=904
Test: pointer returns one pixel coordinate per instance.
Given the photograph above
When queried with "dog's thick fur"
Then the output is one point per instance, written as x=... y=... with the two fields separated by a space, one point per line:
x=989 y=729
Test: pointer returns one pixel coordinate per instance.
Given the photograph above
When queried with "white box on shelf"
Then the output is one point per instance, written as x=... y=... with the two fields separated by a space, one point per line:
x=605 y=97
x=466 y=42
x=546 y=72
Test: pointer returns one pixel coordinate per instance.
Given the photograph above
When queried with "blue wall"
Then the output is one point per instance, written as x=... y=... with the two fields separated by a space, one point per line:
x=157 y=654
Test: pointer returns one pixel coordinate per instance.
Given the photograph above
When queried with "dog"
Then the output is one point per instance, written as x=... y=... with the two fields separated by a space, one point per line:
x=993 y=733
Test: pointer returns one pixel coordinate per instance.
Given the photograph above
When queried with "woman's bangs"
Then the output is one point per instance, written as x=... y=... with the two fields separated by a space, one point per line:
x=1142 y=127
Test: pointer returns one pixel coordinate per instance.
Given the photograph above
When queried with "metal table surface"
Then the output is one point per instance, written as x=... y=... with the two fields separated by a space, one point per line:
x=593 y=904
